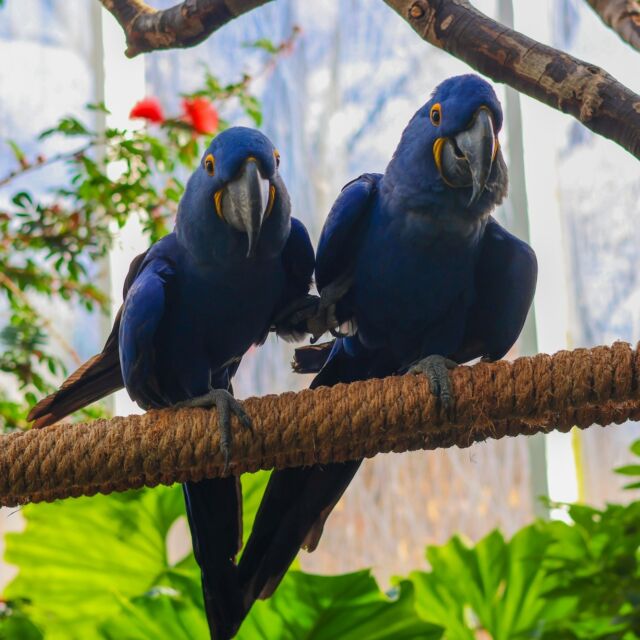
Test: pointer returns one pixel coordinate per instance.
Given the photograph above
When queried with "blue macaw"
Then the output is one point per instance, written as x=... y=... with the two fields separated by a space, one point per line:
x=418 y=277
x=194 y=303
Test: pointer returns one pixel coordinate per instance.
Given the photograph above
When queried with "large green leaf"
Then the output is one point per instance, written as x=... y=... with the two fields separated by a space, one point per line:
x=348 y=607
x=496 y=586
x=81 y=561
x=171 y=612
x=304 y=606
x=79 y=558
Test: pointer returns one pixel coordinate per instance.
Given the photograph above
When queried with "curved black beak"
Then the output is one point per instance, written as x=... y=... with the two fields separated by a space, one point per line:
x=244 y=202
x=478 y=145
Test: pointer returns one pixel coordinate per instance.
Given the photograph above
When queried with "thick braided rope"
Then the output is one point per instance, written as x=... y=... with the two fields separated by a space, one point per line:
x=345 y=422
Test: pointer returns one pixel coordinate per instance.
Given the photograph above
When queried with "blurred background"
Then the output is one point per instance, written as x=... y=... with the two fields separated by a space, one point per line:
x=335 y=105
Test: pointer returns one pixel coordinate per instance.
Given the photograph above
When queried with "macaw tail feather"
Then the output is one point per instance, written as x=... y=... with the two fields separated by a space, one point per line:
x=214 y=513
x=291 y=516
x=296 y=502
x=96 y=378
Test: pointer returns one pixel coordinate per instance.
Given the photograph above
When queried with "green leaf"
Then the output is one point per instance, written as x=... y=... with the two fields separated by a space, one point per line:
x=635 y=448
x=79 y=559
x=17 y=151
x=252 y=108
x=22 y=199
x=82 y=561
x=349 y=607
x=163 y=612
x=497 y=586
x=264 y=44
x=253 y=486
x=629 y=470
x=15 y=624
x=97 y=106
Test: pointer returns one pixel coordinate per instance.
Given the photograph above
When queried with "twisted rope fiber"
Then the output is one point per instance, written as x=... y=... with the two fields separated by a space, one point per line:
x=491 y=400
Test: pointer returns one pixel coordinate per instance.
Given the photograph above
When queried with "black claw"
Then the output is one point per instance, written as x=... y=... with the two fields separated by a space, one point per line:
x=246 y=422
x=436 y=369
x=226 y=452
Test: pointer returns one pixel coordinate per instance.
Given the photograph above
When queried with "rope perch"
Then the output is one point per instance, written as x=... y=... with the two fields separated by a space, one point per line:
x=345 y=422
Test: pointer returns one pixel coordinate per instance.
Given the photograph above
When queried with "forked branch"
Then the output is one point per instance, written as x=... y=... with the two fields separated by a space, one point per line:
x=183 y=25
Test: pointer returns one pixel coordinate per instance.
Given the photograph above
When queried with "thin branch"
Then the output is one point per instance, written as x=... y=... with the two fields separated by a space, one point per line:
x=41 y=162
x=329 y=424
x=623 y=16
x=557 y=79
x=183 y=25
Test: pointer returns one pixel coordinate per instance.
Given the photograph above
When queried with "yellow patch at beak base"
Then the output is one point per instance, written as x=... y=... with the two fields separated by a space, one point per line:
x=217 y=198
x=272 y=199
x=437 y=156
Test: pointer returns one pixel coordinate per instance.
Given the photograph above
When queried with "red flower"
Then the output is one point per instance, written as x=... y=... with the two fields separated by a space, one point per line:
x=200 y=114
x=149 y=109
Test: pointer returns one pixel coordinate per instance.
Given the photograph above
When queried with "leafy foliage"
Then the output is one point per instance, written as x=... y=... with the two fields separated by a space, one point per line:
x=89 y=564
x=495 y=586
x=348 y=606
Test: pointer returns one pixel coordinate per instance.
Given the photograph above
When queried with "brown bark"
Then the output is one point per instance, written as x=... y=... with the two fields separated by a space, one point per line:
x=183 y=25
x=561 y=81
x=623 y=16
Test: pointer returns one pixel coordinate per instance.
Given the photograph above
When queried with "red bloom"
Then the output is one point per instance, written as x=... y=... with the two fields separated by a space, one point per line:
x=149 y=109
x=200 y=114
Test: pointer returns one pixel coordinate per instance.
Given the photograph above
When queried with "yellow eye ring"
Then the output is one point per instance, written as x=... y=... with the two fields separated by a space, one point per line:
x=436 y=114
x=210 y=164
x=276 y=155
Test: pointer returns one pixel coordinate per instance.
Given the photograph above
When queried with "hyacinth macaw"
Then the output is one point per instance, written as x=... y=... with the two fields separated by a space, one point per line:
x=194 y=303
x=425 y=279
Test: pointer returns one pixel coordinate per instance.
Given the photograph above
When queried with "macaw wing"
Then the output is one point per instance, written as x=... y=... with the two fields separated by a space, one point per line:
x=343 y=228
x=142 y=312
x=298 y=260
x=96 y=378
x=506 y=275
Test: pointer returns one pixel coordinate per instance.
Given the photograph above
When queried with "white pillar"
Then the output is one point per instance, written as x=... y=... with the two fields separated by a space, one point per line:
x=543 y=131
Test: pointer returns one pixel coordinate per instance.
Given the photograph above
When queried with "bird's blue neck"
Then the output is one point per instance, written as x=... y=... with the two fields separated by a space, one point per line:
x=428 y=219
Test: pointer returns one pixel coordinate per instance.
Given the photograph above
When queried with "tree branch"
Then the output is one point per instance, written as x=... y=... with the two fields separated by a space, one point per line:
x=623 y=16
x=329 y=424
x=183 y=25
x=561 y=81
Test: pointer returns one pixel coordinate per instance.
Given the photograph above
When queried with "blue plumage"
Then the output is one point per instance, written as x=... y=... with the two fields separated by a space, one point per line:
x=430 y=279
x=193 y=305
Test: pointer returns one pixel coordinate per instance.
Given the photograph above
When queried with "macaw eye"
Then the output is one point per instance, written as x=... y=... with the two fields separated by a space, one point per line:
x=436 y=114
x=209 y=164
x=276 y=155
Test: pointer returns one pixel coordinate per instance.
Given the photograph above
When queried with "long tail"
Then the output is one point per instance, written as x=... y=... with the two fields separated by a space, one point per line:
x=96 y=378
x=295 y=505
x=215 y=518
x=291 y=516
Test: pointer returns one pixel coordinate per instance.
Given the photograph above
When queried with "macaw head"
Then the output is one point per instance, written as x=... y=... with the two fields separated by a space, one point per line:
x=235 y=206
x=449 y=153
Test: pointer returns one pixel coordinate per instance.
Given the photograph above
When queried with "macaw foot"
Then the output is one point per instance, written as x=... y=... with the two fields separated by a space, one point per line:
x=226 y=404
x=437 y=368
